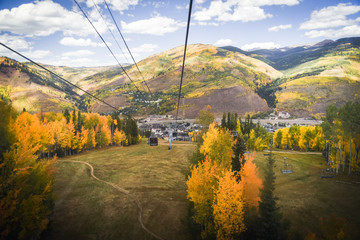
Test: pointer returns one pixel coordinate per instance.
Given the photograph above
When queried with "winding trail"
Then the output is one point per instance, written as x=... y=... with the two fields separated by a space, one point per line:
x=295 y=152
x=136 y=200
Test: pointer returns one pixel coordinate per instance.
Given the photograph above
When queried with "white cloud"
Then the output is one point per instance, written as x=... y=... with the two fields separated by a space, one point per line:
x=331 y=17
x=157 y=25
x=78 y=53
x=260 y=45
x=37 y=54
x=18 y=43
x=224 y=42
x=199 y=1
x=333 y=22
x=145 y=48
x=245 y=11
x=122 y=5
x=119 y=5
x=43 y=18
x=76 y=62
x=15 y=42
x=348 y=31
x=279 y=27
x=80 y=42
x=126 y=58
x=208 y=24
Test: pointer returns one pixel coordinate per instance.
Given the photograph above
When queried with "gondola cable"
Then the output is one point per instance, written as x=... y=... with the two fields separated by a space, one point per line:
x=107 y=6
x=183 y=64
x=59 y=77
x=106 y=44
x=112 y=34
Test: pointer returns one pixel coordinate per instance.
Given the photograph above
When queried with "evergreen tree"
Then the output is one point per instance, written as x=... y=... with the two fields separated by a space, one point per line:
x=270 y=223
x=228 y=120
x=248 y=126
x=74 y=120
x=67 y=115
x=235 y=121
x=80 y=122
x=6 y=137
x=238 y=158
x=223 y=121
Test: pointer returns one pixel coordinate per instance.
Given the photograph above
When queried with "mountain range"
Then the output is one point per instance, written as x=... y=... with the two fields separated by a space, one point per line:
x=301 y=80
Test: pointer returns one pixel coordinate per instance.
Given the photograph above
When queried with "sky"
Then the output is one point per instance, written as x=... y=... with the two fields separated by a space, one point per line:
x=56 y=32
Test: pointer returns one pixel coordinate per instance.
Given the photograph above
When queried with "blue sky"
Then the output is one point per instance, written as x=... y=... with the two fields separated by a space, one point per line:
x=55 y=31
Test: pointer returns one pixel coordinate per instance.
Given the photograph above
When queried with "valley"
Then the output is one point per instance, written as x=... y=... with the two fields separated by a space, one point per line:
x=301 y=80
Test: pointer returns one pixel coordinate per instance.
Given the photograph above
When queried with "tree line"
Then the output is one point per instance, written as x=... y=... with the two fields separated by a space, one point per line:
x=255 y=136
x=302 y=138
x=342 y=137
x=228 y=199
x=29 y=144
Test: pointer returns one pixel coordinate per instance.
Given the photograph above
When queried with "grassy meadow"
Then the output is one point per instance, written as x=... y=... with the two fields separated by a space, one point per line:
x=88 y=209
x=304 y=197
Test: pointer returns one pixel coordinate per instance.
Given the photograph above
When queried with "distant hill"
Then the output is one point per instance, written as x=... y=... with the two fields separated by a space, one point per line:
x=289 y=57
x=302 y=80
x=211 y=74
x=30 y=89
x=314 y=76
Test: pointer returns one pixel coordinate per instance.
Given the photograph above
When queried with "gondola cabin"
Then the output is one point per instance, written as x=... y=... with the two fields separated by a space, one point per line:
x=153 y=141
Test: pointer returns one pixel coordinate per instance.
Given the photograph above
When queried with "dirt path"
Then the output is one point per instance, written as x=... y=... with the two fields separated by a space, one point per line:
x=120 y=190
x=294 y=152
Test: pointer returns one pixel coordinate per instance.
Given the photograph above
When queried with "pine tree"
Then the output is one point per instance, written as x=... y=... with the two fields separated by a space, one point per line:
x=228 y=120
x=74 y=120
x=238 y=158
x=270 y=223
x=67 y=115
x=80 y=122
x=7 y=114
x=223 y=121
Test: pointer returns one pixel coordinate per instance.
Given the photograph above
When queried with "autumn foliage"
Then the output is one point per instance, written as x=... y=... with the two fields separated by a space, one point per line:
x=301 y=138
x=28 y=148
x=26 y=198
x=220 y=195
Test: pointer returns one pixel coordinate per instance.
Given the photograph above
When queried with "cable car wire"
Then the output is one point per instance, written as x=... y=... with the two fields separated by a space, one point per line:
x=112 y=34
x=106 y=44
x=183 y=64
x=107 y=6
x=59 y=77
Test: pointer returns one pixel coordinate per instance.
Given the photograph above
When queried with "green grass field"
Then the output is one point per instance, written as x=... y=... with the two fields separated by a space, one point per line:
x=88 y=209
x=304 y=197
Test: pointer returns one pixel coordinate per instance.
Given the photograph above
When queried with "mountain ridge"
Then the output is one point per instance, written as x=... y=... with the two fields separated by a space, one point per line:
x=227 y=78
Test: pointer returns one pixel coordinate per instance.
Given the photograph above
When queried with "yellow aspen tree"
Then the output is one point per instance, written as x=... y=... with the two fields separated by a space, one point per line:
x=302 y=141
x=229 y=207
x=91 y=143
x=119 y=136
x=201 y=187
x=285 y=141
x=27 y=127
x=217 y=146
x=26 y=184
x=83 y=138
x=251 y=141
x=251 y=181
x=277 y=138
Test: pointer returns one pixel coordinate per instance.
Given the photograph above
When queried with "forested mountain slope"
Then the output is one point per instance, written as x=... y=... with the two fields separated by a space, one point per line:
x=32 y=90
x=308 y=79
x=223 y=79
